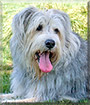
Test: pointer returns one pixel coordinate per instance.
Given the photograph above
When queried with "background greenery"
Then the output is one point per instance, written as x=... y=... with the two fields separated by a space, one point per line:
x=76 y=10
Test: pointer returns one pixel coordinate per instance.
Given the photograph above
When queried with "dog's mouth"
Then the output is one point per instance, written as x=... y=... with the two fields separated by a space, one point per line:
x=44 y=60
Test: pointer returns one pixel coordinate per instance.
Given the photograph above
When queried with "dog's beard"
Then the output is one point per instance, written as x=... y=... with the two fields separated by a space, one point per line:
x=42 y=60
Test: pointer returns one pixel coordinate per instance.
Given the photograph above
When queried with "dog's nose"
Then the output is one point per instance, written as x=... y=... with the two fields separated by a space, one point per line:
x=50 y=43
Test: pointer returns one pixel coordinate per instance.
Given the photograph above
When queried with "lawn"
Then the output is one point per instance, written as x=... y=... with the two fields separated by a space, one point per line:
x=78 y=15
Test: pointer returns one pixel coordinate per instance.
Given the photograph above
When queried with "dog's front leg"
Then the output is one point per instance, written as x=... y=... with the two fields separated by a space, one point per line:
x=19 y=100
x=70 y=98
x=6 y=96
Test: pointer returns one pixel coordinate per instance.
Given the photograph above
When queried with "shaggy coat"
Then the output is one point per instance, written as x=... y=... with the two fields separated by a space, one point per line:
x=68 y=78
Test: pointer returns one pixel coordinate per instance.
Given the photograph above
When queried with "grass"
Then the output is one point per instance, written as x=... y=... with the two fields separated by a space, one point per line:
x=5 y=81
x=78 y=15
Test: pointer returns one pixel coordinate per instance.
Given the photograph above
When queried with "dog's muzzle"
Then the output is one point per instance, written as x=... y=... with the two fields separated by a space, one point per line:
x=44 y=58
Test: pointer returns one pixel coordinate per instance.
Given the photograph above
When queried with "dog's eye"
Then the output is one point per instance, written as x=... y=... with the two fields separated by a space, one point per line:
x=56 y=30
x=39 y=28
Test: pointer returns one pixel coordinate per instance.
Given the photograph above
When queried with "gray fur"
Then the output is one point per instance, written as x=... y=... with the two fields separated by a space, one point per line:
x=69 y=75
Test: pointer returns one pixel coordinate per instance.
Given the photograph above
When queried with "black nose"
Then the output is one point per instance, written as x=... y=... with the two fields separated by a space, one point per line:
x=50 y=43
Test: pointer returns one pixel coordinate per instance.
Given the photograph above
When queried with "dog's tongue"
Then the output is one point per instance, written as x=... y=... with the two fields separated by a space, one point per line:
x=44 y=63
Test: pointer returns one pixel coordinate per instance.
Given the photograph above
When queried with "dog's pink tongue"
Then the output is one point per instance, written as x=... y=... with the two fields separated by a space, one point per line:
x=44 y=63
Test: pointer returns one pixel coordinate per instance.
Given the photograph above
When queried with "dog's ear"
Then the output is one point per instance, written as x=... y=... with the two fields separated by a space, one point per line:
x=64 y=20
x=72 y=42
x=19 y=26
x=21 y=20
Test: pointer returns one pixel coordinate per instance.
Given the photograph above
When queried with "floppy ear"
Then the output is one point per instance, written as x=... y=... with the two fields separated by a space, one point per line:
x=72 y=42
x=19 y=26
x=21 y=20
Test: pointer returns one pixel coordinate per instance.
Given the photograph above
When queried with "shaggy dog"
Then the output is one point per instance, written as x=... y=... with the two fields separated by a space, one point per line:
x=49 y=60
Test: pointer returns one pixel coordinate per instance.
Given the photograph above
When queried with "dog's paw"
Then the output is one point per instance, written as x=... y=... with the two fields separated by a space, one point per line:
x=6 y=97
x=20 y=100
x=70 y=98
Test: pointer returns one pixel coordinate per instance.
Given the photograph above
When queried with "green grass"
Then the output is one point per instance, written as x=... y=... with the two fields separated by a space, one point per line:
x=78 y=15
x=5 y=77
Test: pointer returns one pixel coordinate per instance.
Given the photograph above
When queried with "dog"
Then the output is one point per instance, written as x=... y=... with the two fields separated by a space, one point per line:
x=49 y=59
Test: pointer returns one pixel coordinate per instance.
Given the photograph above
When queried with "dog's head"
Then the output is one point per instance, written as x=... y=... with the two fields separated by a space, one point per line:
x=41 y=39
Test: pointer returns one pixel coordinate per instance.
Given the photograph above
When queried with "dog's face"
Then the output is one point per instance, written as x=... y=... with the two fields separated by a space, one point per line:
x=42 y=39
